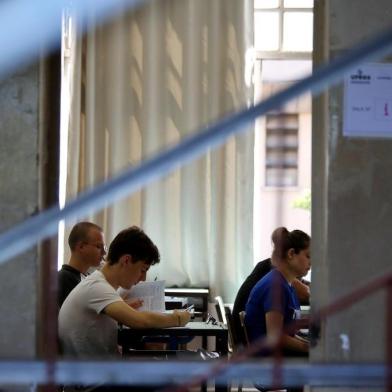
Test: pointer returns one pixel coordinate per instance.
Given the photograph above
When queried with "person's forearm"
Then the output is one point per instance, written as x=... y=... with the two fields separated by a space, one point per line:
x=124 y=314
x=301 y=338
x=156 y=320
x=293 y=343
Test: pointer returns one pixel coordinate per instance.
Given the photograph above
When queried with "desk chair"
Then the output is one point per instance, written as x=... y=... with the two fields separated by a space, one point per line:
x=233 y=335
x=243 y=326
x=242 y=321
x=225 y=317
x=245 y=332
x=220 y=309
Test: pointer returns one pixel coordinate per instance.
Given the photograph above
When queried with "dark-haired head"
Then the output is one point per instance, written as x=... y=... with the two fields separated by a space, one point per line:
x=133 y=241
x=285 y=240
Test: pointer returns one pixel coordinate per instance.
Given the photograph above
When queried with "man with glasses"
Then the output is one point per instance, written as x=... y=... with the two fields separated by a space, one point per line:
x=88 y=249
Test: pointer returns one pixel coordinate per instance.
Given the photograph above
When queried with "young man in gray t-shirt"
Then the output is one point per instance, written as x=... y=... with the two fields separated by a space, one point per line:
x=89 y=316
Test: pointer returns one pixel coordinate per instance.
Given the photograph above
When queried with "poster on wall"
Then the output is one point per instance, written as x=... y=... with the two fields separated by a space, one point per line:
x=368 y=101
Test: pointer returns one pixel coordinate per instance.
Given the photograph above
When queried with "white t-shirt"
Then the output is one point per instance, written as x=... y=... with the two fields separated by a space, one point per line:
x=85 y=331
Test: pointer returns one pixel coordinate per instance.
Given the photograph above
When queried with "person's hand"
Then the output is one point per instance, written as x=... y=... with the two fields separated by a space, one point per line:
x=135 y=303
x=182 y=316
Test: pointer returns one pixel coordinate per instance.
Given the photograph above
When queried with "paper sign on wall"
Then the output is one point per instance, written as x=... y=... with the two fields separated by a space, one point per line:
x=368 y=101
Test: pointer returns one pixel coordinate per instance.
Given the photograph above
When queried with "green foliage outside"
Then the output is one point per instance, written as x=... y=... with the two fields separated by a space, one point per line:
x=304 y=201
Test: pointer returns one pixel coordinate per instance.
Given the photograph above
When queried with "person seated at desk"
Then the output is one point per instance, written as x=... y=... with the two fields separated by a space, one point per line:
x=87 y=244
x=261 y=269
x=273 y=303
x=89 y=317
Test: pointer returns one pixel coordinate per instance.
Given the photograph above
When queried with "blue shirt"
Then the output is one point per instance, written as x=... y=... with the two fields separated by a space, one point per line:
x=272 y=292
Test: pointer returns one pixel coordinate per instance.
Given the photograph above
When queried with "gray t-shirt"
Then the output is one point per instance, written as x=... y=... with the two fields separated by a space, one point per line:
x=84 y=330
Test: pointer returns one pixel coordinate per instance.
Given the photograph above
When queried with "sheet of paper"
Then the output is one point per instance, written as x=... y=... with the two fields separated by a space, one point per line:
x=151 y=293
x=368 y=101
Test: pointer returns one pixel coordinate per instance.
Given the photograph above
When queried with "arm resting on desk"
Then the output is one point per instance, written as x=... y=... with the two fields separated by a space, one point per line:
x=124 y=314
x=274 y=324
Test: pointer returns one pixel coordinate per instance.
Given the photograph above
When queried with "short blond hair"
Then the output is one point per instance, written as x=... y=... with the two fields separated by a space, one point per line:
x=80 y=233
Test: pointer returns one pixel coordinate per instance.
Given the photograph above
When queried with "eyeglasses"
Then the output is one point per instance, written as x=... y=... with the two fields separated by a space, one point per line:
x=101 y=247
x=211 y=319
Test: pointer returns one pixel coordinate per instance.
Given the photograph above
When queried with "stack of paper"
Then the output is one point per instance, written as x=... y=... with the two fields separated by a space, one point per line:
x=151 y=293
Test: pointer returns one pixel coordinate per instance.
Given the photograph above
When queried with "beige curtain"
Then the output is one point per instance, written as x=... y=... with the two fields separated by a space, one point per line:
x=139 y=85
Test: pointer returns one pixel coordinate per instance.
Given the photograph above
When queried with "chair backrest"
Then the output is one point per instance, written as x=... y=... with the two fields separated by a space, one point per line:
x=243 y=326
x=231 y=329
x=225 y=317
x=220 y=309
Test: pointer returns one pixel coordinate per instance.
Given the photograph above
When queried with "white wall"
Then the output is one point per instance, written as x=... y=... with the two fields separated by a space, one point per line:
x=276 y=204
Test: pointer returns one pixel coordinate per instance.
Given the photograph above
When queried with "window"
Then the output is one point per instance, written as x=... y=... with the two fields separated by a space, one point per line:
x=283 y=48
x=283 y=25
x=281 y=161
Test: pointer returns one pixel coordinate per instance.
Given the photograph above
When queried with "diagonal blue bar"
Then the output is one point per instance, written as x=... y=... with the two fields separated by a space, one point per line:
x=28 y=26
x=26 y=234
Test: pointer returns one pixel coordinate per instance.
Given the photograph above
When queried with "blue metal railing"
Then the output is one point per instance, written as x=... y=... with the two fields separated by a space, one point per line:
x=179 y=372
x=25 y=235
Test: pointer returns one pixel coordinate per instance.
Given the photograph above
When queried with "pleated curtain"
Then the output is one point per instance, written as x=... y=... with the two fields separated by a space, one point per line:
x=137 y=86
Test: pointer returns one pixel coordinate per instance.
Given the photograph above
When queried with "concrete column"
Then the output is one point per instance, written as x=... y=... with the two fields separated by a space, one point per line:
x=19 y=97
x=29 y=132
x=351 y=211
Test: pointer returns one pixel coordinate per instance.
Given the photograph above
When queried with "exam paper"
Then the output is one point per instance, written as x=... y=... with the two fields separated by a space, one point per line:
x=152 y=294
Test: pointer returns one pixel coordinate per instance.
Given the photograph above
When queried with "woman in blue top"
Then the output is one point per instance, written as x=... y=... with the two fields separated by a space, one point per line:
x=273 y=303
